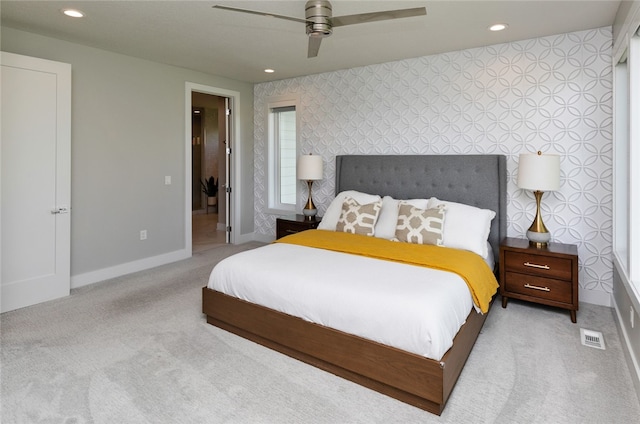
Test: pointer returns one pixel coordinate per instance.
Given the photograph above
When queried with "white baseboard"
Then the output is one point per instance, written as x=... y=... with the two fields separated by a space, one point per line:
x=246 y=238
x=627 y=348
x=92 y=277
x=127 y=268
x=263 y=238
x=596 y=297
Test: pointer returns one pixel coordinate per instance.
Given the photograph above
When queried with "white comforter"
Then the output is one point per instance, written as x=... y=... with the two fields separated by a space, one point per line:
x=412 y=308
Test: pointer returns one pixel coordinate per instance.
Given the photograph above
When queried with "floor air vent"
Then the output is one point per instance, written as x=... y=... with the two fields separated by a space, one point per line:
x=592 y=338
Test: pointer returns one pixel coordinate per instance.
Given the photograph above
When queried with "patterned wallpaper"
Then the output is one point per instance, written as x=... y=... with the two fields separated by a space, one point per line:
x=552 y=94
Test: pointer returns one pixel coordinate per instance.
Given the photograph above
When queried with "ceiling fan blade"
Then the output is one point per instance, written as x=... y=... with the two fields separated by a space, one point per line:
x=362 y=18
x=314 y=46
x=255 y=12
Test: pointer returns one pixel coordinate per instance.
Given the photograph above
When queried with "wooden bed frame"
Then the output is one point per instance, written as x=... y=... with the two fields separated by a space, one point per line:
x=478 y=180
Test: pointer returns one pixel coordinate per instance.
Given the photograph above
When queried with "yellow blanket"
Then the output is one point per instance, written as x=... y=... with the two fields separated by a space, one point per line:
x=471 y=267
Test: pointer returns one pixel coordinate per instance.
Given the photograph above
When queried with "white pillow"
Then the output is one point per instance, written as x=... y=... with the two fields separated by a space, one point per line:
x=388 y=218
x=332 y=214
x=490 y=258
x=466 y=227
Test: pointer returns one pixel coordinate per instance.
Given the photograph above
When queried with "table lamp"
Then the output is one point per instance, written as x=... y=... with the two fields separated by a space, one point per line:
x=539 y=173
x=309 y=169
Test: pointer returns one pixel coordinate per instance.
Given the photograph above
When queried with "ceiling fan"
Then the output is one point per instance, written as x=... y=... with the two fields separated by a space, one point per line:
x=319 y=21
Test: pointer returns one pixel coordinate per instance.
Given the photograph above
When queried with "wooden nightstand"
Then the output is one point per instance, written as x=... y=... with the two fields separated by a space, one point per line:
x=548 y=276
x=292 y=224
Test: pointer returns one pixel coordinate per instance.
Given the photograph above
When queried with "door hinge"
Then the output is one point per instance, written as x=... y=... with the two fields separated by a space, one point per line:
x=228 y=112
x=228 y=228
x=228 y=150
x=227 y=189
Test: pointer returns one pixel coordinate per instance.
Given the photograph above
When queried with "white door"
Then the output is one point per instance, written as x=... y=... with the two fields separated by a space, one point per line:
x=35 y=181
x=227 y=169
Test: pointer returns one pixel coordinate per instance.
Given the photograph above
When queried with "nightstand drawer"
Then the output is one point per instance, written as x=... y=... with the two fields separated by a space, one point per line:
x=291 y=230
x=287 y=225
x=542 y=288
x=544 y=266
x=295 y=227
x=288 y=230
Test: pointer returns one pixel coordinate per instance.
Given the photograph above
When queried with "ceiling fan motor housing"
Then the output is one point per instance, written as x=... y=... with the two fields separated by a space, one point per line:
x=318 y=14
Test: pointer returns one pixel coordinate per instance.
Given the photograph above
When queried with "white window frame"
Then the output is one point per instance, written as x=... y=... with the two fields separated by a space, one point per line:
x=626 y=164
x=275 y=206
x=634 y=161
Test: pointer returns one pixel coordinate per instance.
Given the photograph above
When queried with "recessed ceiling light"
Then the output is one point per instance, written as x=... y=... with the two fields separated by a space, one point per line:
x=269 y=71
x=498 y=27
x=74 y=13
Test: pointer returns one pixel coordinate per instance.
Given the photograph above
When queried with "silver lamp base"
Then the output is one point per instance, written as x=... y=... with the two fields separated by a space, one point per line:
x=309 y=212
x=538 y=239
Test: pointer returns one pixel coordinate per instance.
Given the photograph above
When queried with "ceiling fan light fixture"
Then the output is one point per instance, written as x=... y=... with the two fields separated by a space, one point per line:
x=73 y=13
x=312 y=31
x=498 y=27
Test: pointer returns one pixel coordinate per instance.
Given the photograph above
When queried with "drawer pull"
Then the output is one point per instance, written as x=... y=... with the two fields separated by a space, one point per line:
x=529 y=286
x=536 y=265
x=290 y=231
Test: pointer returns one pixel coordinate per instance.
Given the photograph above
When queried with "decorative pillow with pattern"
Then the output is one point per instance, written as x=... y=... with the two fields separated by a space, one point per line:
x=358 y=219
x=332 y=213
x=388 y=219
x=420 y=226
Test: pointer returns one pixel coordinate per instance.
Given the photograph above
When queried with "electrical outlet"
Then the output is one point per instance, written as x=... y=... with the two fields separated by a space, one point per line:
x=143 y=234
x=631 y=315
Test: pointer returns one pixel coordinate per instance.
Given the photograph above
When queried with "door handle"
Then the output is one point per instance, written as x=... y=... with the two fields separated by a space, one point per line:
x=60 y=210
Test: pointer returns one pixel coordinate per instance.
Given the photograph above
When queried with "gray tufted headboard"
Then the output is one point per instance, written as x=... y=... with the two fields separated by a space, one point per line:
x=477 y=180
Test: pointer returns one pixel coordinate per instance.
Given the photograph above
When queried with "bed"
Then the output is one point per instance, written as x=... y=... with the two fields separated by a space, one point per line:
x=477 y=180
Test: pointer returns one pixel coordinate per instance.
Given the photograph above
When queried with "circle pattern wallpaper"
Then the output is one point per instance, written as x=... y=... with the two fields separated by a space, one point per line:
x=550 y=94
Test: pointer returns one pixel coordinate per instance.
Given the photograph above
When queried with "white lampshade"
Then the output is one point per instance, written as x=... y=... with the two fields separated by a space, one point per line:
x=309 y=167
x=539 y=172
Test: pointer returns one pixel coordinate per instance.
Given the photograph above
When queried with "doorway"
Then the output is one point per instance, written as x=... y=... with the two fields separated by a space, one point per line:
x=209 y=139
x=229 y=201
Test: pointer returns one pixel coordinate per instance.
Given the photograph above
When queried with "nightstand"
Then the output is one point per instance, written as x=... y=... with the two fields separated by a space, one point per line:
x=548 y=276
x=292 y=224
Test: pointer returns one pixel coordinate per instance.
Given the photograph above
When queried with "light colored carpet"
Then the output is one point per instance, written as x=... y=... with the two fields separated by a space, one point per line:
x=137 y=349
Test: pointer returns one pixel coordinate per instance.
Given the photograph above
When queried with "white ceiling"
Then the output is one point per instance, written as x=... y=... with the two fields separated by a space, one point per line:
x=192 y=34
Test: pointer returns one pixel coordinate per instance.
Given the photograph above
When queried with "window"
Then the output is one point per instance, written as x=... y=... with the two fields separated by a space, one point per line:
x=282 y=135
x=634 y=160
x=626 y=163
x=621 y=164
x=284 y=126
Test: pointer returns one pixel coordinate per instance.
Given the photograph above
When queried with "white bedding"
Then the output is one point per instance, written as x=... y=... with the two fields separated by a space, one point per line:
x=413 y=308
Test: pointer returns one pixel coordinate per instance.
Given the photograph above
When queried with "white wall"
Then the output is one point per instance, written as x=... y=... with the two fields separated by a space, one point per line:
x=128 y=133
x=551 y=94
